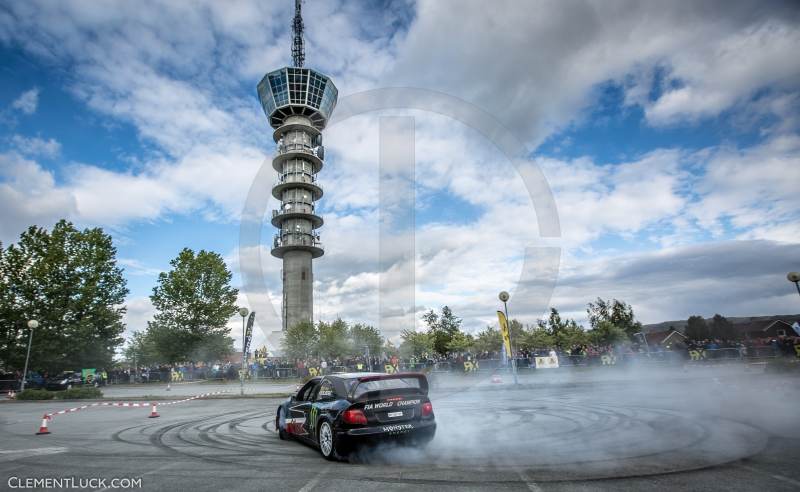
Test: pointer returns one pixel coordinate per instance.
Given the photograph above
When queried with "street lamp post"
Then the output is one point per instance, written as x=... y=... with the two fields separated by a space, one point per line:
x=504 y=297
x=243 y=312
x=32 y=325
x=794 y=277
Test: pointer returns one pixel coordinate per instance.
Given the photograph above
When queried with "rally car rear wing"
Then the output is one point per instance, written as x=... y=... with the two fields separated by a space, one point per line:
x=422 y=382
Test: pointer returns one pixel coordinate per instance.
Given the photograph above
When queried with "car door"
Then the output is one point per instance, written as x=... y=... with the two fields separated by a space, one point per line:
x=323 y=395
x=298 y=410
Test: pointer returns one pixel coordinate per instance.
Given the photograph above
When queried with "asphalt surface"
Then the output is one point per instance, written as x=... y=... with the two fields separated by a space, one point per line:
x=720 y=431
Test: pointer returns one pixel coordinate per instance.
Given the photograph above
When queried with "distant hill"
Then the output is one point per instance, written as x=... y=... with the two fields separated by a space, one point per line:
x=680 y=325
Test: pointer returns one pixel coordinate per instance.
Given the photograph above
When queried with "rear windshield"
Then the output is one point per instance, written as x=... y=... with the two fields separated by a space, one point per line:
x=386 y=384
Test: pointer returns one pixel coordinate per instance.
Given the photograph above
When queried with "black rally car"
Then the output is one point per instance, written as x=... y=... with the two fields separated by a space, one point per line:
x=339 y=411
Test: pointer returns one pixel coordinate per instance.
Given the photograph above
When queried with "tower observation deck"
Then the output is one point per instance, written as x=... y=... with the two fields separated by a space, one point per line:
x=298 y=103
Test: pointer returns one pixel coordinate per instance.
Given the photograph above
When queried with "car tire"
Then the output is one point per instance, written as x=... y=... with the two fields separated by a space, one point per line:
x=282 y=434
x=326 y=439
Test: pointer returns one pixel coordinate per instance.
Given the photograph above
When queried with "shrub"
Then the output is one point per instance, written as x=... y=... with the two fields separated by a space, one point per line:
x=35 y=394
x=79 y=394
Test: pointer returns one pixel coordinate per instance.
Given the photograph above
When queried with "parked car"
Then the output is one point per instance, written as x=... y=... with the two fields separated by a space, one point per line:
x=64 y=381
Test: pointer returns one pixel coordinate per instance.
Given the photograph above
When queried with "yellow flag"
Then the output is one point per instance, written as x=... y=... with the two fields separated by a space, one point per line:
x=504 y=331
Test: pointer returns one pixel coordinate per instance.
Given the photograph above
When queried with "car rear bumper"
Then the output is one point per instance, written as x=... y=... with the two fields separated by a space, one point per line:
x=421 y=431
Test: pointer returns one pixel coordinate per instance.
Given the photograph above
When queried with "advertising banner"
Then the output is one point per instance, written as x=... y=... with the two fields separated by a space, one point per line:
x=504 y=331
x=248 y=334
x=547 y=362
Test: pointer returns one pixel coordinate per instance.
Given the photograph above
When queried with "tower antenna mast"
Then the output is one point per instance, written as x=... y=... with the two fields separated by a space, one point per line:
x=298 y=47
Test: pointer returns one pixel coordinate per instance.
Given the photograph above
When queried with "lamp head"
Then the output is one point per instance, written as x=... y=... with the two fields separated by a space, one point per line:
x=243 y=311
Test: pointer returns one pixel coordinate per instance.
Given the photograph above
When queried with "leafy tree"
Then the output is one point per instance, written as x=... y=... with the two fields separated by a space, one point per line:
x=565 y=333
x=416 y=343
x=460 y=342
x=722 y=328
x=537 y=337
x=488 y=340
x=301 y=340
x=607 y=333
x=615 y=312
x=194 y=302
x=696 y=328
x=333 y=339
x=442 y=327
x=141 y=350
x=364 y=335
x=69 y=281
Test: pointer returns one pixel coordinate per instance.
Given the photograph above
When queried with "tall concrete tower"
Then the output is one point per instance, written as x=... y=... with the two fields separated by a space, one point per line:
x=298 y=103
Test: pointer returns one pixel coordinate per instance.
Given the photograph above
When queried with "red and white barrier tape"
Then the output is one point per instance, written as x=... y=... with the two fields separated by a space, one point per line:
x=129 y=404
x=192 y=398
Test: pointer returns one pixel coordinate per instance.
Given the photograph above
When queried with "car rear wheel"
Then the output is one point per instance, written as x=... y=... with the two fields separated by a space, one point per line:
x=282 y=434
x=327 y=441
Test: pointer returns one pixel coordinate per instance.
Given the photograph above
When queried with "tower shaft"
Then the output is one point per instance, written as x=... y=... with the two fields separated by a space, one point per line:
x=298 y=103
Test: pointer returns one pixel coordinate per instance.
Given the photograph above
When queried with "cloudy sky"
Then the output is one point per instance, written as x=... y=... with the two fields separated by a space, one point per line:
x=666 y=132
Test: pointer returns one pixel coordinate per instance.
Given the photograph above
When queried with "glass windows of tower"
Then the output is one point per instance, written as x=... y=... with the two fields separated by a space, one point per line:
x=277 y=82
x=316 y=87
x=298 y=82
x=328 y=100
x=265 y=94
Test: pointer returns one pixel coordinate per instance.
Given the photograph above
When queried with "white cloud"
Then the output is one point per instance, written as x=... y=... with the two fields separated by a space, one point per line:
x=184 y=76
x=36 y=146
x=536 y=68
x=754 y=189
x=29 y=195
x=27 y=102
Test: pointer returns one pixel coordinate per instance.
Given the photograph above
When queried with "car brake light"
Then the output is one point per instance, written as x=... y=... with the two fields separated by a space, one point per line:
x=427 y=409
x=354 y=417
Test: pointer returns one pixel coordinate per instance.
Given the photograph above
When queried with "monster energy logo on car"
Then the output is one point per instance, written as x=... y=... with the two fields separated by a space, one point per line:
x=314 y=413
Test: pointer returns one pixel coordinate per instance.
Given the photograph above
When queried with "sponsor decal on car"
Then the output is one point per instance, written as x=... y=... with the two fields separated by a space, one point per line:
x=397 y=428
x=390 y=404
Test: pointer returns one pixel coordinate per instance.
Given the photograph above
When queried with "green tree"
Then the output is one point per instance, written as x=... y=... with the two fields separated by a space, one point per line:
x=416 y=343
x=194 y=302
x=364 y=335
x=607 y=333
x=565 y=333
x=333 y=339
x=460 y=342
x=696 y=328
x=537 y=337
x=141 y=350
x=615 y=312
x=68 y=280
x=722 y=328
x=488 y=340
x=442 y=327
x=301 y=340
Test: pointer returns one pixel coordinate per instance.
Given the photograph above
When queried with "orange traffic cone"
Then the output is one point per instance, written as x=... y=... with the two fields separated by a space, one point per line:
x=153 y=413
x=43 y=428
